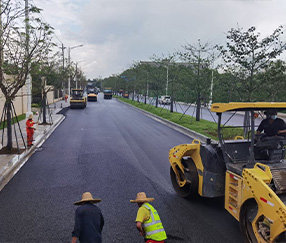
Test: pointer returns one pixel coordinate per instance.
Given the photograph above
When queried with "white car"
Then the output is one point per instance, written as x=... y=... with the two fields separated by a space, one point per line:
x=165 y=100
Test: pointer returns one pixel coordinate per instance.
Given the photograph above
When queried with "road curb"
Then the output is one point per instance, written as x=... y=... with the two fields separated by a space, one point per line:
x=186 y=131
x=15 y=164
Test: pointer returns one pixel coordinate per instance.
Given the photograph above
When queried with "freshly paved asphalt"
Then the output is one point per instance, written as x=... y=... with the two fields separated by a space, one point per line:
x=114 y=152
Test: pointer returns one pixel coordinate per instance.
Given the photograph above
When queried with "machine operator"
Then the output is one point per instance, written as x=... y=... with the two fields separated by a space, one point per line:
x=272 y=125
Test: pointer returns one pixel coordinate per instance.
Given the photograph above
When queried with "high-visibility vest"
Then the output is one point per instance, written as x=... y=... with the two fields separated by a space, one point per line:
x=153 y=227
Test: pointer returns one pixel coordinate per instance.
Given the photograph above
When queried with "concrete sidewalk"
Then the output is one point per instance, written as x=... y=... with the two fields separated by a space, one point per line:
x=11 y=163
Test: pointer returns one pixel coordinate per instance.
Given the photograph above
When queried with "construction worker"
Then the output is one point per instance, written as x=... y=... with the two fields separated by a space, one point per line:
x=30 y=130
x=89 y=220
x=148 y=221
x=272 y=125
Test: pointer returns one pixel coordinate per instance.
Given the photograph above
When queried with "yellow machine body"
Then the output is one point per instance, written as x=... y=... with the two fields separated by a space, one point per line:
x=186 y=150
x=262 y=184
x=254 y=185
x=78 y=99
x=92 y=97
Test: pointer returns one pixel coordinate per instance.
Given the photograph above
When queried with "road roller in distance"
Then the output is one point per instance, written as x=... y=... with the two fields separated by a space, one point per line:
x=78 y=99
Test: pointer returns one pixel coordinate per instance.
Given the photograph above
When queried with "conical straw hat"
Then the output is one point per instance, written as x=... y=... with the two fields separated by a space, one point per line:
x=141 y=197
x=87 y=197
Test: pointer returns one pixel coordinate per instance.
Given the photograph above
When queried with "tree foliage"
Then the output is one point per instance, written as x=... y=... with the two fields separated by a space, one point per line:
x=199 y=58
x=250 y=70
x=18 y=48
x=247 y=54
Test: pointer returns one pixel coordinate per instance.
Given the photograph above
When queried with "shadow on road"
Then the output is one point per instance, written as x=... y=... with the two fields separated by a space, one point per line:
x=64 y=111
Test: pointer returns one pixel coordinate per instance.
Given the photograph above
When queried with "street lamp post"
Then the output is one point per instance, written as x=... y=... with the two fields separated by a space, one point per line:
x=167 y=79
x=147 y=90
x=69 y=59
x=29 y=77
x=75 y=76
x=211 y=92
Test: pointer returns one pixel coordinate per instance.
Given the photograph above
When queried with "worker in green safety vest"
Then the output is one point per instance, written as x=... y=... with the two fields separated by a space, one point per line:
x=148 y=221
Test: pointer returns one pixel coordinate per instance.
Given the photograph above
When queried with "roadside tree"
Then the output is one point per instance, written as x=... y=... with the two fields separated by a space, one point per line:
x=273 y=81
x=199 y=59
x=17 y=49
x=247 y=54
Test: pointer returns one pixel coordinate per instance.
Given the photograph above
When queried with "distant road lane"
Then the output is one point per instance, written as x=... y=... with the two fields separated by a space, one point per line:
x=114 y=152
x=229 y=118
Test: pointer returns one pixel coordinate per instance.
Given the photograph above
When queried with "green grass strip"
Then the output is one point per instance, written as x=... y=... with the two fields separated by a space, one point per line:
x=20 y=118
x=204 y=127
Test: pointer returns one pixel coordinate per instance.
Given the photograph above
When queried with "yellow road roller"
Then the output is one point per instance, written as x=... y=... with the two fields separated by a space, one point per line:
x=92 y=96
x=78 y=99
x=250 y=172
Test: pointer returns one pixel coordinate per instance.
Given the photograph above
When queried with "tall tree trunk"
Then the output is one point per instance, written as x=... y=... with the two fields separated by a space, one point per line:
x=44 y=103
x=9 y=125
x=198 y=108
x=172 y=96
x=157 y=101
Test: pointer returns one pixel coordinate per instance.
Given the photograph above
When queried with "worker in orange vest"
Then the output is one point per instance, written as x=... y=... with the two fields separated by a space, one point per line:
x=30 y=130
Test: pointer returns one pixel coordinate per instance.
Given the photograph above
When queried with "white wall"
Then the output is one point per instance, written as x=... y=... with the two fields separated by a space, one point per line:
x=20 y=102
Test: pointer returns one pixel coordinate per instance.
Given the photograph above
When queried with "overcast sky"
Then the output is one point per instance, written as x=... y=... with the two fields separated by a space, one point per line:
x=115 y=33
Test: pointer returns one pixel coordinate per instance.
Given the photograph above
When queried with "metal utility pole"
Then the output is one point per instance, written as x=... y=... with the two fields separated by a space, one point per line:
x=69 y=61
x=69 y=81
x=63 y=54
x=29 y=78
x=147 y=88
x=172 y=97
x=44 y=99
x=211 y=94
x=146 y=94
x=198 y=108
x=167 y=79
x=75 y=76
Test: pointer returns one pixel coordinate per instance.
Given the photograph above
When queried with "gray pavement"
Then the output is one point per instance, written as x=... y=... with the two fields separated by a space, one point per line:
x=11 y=163
x=114 y=152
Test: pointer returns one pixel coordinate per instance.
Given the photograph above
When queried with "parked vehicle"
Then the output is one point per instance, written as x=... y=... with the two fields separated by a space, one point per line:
x=249 y=172
x=164 y=100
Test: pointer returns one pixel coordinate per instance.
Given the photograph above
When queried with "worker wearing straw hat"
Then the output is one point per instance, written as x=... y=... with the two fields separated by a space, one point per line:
x=148 y=221
x=88 y=220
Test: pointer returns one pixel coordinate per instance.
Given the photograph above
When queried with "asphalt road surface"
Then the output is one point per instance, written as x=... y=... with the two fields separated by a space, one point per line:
x=114 y=152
